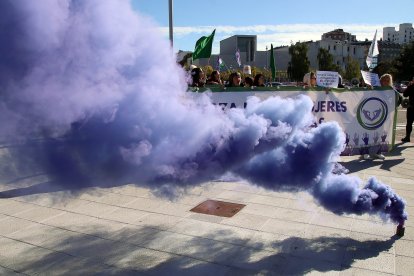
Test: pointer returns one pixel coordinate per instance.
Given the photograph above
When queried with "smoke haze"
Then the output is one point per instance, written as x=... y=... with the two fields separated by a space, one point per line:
x=91 y=94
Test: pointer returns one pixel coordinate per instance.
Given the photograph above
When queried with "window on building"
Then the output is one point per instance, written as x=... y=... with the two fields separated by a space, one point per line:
x=354 y=50
x=334 y=47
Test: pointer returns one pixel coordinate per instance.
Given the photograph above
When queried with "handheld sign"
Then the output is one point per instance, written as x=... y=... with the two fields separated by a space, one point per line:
x=327 y=79
x=247 y=70
x=370 y=78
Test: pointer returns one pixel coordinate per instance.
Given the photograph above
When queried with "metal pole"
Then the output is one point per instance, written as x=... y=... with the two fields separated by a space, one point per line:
x=170 y=9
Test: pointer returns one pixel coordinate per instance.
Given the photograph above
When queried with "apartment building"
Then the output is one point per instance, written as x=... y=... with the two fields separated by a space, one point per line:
x=403 y=35
x=342 y=45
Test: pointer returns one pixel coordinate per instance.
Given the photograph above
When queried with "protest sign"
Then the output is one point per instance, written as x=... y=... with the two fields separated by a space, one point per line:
x=370 y=78
x=327 y=79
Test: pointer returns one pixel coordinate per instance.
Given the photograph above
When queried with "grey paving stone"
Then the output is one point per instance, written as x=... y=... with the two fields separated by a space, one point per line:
x=284 y=227
x=218 y=232
x=39 y=213
x=12 y=207
x=404 y=265
x=332 y=220
x=362 y=272
x=248 y=221
x=12 y=224
x=124 y=215
x=8 y=272
x=300 y=266
x=404 y=248
x=127 y=230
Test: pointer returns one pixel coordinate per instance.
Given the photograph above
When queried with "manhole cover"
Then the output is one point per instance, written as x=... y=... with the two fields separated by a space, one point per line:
x=218 y=208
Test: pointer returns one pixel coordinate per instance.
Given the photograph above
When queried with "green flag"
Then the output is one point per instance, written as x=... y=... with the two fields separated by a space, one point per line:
x=203 y=46
x=272 y=63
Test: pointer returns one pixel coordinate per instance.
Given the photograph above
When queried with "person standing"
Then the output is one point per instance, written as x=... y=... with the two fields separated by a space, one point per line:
x=259 y=80
x=198 y=77
x=309 y=79
x=374 y=151
x=235 y=80
x=248 y=81
x=409 y=92
x=214 y=78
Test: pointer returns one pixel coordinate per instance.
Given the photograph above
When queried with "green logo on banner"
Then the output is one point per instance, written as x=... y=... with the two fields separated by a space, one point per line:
x=372 y=113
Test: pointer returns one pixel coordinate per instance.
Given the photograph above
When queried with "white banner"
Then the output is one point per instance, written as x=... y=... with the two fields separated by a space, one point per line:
x=366 y=117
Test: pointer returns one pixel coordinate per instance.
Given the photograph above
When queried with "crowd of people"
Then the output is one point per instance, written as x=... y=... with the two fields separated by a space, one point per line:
x=198 y=79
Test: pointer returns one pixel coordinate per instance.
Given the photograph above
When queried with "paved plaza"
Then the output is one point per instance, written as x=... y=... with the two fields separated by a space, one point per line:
x=127 y=230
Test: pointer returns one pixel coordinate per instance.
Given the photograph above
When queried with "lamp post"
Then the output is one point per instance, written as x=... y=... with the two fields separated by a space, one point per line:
x=170 y=11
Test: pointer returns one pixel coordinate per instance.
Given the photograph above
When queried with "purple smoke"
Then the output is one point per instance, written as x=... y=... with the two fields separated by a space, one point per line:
x=91 y=94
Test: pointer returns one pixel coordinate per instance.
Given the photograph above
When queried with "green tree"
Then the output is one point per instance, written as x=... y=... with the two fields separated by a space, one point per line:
x=386 y=67
x=352 y=69
x=325 y=60
x=299 y=63
x=405 y=62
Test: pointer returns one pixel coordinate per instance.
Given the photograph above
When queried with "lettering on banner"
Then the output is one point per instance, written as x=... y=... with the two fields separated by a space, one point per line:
x=320 y=121
x=329 y=106
x=229 y=105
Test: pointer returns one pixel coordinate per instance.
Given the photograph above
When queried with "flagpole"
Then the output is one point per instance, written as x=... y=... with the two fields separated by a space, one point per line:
x=170 y=10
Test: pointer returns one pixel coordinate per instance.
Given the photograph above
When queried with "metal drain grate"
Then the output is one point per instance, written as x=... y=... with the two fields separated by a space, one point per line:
x=218 y=208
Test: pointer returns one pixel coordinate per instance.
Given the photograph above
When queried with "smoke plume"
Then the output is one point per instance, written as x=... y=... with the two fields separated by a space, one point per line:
x=90 y=94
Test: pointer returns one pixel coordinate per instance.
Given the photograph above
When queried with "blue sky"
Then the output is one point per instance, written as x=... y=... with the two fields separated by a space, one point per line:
x=277 y=22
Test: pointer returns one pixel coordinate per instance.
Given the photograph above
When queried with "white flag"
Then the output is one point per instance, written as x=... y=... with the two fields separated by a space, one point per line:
x=238 y=57
x=373 y=52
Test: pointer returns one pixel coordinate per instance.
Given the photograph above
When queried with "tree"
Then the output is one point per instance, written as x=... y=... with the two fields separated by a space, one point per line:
x=386 y=67
x=325 y=60
x=405 y=62
x=299 y=64
x=352 y=70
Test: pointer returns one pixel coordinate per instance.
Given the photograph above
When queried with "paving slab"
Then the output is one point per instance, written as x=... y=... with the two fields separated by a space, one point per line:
x=127 y=230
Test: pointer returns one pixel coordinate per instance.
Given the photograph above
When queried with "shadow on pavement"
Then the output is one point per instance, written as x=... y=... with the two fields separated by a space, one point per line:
x=150 y=251
x=399 y=148
x=39 y=188
x=361 y=164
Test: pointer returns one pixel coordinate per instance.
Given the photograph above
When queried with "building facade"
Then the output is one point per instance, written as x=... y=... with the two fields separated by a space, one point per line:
x=245 y=44
x=403 y=35
x=338 y=34
x=388 y=51
x=341 y=45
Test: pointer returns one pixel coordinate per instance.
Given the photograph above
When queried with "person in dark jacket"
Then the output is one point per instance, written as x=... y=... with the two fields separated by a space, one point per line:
x=214 y=78
x=259 y=80
x=409 y=92
x=198 y=77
